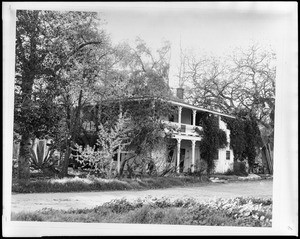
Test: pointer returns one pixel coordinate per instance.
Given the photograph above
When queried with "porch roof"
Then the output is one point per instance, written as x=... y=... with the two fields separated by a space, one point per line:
x=174 y=102
x=193 y=107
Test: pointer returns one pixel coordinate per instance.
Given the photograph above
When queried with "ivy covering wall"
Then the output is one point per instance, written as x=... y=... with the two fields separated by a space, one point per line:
x=213 y=138
x=245 y=138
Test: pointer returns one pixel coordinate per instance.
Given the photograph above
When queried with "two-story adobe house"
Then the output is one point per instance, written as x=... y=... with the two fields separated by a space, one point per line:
x=185 y=152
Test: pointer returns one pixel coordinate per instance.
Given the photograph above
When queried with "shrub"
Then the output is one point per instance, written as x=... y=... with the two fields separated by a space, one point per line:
x=229 y=172
x=201 y=167
x=239 y=169
x=239 y=211
x=100 y=156
x=150 y=215
x=27 y=216
x=44 y=157
x=119 y=205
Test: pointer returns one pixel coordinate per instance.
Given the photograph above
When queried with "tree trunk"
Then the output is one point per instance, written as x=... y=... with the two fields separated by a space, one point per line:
x=64 y=170
x=111 y=167
x=25 y=144
x=123 y=165
x=23 y=160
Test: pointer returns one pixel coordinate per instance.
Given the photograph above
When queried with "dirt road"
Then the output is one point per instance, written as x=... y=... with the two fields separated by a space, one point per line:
x=36 y=201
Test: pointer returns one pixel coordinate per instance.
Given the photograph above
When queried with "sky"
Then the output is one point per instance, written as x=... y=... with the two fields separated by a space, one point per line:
x=212 y=29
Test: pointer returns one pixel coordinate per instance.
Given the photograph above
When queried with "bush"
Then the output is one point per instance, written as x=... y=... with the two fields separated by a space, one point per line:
x=255 y=212
x=149 y=215
x=201 y=167
x=28 y=216
x=229 y=172
x=239 y=169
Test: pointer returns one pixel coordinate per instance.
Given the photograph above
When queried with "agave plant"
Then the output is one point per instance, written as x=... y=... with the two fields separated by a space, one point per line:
x=43 y=157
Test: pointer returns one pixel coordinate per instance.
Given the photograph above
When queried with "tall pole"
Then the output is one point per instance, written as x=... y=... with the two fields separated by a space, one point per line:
x=194 y=117
x=178 y=154
x=179 y=116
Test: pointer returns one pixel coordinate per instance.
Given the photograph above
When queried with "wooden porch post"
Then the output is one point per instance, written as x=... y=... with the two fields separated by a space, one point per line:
x=179 y=118
x=193 y=155
x=178 y=155
x=179 y=115
x=194 y=117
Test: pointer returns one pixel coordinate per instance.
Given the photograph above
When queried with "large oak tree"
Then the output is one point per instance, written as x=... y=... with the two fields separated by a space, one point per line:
x=48 y=44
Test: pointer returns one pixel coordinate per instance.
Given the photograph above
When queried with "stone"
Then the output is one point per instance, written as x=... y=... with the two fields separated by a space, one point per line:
x=218 y=181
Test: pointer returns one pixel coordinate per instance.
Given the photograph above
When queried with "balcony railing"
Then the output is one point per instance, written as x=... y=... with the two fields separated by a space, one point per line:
x=183 y=129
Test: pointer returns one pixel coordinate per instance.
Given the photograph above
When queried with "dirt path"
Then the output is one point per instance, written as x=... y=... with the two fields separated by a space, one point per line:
x=36 y=201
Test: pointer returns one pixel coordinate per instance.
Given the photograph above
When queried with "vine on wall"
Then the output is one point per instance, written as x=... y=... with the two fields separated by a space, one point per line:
x=213 y=138
x=245 y=137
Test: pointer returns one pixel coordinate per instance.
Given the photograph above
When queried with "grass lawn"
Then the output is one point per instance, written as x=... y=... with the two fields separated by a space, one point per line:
x=91 y=183
x=254 y=212
x=81 y=181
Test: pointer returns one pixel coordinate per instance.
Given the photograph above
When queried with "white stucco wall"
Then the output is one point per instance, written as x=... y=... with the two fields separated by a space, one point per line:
x=222 y=164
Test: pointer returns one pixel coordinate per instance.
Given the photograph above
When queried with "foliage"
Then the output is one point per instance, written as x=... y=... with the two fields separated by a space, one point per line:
x=200 y=168
x=239 y=169
x=148 y=129
x=66 y=62
x=142 y=131
x=213 y=138
x=237 y=137
x=229 y=172
x=253 y=139
x=48 y=43
x=254 y=212
x=110 y=139
x=245 y=137
x=43 y=48
x=38 y=118
x=148 y=70
x=44 y=158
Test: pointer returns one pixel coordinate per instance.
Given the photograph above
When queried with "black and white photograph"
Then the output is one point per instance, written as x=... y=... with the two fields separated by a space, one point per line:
x=150 y=118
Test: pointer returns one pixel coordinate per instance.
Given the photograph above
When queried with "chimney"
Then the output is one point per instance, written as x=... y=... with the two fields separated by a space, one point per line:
x=179 y=93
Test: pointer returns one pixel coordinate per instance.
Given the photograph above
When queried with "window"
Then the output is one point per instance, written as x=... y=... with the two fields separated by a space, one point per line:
x=228 y=155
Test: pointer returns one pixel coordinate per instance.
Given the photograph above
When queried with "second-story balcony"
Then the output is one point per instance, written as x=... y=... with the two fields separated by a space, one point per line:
x=184 y=129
